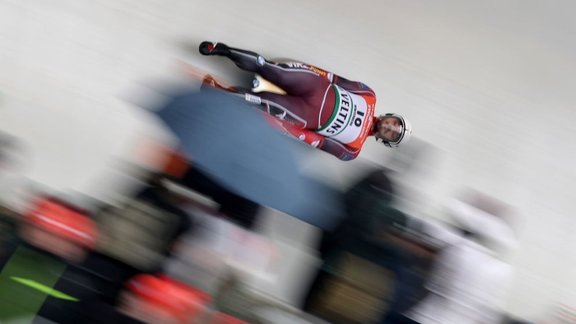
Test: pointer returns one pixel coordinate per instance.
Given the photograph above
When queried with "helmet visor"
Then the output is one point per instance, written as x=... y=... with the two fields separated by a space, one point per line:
x=390 y=129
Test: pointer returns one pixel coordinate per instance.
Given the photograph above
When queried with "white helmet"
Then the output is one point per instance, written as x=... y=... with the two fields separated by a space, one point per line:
x=402 y=135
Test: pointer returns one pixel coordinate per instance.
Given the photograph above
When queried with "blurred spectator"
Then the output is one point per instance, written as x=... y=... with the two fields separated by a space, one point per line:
x=138 y=236
x=469 y=282
x=364 y=202
x=370 y=231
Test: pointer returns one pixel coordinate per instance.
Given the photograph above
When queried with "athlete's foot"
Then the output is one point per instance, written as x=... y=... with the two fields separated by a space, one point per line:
x=209 y=82
x=209 y=48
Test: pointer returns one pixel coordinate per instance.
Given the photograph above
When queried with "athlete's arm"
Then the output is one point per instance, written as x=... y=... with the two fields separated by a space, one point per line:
x=314 y=139
x=353 y=86
x=326 y=144
x=339 y=150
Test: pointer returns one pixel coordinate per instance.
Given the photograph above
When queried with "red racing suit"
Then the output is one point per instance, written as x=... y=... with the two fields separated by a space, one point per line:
x=320 y=108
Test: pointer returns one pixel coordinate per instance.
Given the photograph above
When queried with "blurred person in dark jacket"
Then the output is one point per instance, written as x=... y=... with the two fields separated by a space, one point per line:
x=373 y=231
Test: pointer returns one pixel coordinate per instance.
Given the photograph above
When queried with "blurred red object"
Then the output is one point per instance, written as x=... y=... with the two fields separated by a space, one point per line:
x=160 y=157
x=169 y=295
x=176 y=164
x=64 y=221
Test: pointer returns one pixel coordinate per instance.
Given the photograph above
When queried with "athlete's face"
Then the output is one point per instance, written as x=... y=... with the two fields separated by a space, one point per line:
x=389 y=129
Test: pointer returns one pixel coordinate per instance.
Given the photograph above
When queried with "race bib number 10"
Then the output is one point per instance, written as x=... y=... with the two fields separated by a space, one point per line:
x=349 y=118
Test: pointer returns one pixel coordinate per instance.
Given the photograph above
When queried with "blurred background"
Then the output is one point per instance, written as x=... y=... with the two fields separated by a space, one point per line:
x=487 y=85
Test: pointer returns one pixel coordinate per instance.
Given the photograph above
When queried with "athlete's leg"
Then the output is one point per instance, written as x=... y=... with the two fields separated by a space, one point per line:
x=295 y=78
x=292 y=108
x=288 y=107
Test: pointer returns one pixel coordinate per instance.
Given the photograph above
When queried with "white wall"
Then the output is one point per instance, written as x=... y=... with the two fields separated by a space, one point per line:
x=488 y=83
